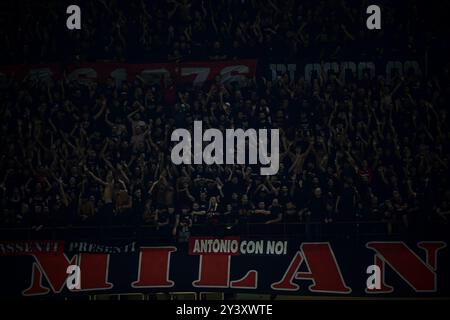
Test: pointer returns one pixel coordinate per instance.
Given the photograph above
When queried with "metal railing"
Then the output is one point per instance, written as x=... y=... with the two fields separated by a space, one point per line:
x=302 y=230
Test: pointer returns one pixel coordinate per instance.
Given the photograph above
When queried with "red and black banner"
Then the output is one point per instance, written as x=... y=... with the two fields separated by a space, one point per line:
x=230 y=265
x=194 y=73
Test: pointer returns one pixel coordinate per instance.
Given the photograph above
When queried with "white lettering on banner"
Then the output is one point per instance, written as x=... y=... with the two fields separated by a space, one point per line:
x=40 y=74
x=233 y=246
x=349 y=66
x=364 y=67
x=394 y=68
x=154 y=74
x=201 y=74
x=331 y=66
x=252 y=247
x=276 y=247
x=312 y=70
x=233 y=74
x=83 y=75
x=119 y=75
x=216 y=246
x=195 y=73
x=282 y=69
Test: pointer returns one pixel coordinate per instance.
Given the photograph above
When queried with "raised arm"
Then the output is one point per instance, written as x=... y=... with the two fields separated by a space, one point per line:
x=97 y=179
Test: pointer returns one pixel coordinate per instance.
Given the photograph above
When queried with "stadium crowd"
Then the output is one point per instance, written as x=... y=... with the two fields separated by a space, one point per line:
x=99 y=153
x=35 y=32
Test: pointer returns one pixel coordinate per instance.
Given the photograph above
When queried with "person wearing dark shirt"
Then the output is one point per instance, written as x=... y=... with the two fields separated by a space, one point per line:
x=284 y=195
x=231 y=216
x=233 y=186
x=317 y=206
x=315 y=212
x=292 y=215
x=39 y=203
x=276 y=212
x=400 y=209
x=183 y=224
x=137 y=208
x=245 y=210
x=260 y=213
x=185 y=197
x=199 y=212
x=163 y=220
x=346 y=202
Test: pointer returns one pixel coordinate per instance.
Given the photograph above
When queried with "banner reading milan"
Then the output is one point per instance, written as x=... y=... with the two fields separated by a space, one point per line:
x=419 y=269
x=194 y=73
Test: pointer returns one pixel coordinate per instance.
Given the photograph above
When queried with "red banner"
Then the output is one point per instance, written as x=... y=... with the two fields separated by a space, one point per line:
x=195 y=73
